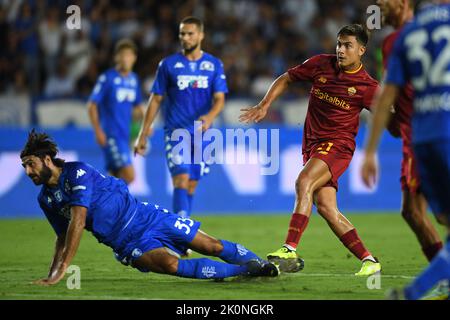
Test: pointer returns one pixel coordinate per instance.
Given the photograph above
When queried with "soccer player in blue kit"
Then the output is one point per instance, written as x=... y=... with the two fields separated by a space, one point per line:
x=194 y=84
x=75 y=196
x=115 y=100
x=422 y=55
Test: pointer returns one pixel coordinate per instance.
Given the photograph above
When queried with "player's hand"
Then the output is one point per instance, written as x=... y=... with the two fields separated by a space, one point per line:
x=253 y=114
x=140 y=147
x=369 y=170
x=54 y=278
x=206 y=122
x=100 y=136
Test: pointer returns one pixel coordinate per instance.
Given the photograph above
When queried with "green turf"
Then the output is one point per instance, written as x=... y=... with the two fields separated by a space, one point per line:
x=26 y=248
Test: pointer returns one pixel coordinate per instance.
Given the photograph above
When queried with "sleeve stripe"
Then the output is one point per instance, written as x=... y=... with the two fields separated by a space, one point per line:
x=78 y=188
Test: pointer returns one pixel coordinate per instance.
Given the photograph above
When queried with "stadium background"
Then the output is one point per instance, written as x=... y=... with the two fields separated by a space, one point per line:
x=48 y=71
x=46 y=75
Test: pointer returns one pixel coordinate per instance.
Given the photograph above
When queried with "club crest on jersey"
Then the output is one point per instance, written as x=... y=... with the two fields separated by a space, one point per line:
x=322 y=79
x=351 y=91
x=58 y=196
x=207 y=65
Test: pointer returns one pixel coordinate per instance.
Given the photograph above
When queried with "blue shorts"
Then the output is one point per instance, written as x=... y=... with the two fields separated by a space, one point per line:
x=117 y=154
x=434 y=168
x=156 y=228
x=179 y=163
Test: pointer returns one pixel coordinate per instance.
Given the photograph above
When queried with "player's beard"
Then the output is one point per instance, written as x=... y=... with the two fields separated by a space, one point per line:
x=43 y=177
x=190 y=49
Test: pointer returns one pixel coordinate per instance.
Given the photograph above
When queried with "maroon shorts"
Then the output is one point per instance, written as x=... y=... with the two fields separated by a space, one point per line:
x=336 y=155
x=409 y=175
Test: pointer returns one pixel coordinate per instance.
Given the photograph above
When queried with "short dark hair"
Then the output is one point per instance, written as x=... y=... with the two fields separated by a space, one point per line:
x=356 y=30
x=41 y=145
x=125 y=44
x=193 y=20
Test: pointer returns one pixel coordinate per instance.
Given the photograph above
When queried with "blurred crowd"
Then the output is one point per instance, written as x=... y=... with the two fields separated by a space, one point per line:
x=257 y=40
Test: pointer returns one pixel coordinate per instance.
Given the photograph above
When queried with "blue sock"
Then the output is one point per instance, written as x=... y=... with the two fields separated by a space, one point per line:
x=190 y=197
x=180 y=202
x=204 y=268
x=235 y=253
x=438 y=269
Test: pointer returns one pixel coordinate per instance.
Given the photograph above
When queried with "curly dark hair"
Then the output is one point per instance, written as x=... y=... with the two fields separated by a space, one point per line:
x=41 y=145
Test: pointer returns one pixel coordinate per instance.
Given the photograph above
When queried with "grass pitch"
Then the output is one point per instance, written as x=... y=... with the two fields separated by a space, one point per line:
x=26 y=249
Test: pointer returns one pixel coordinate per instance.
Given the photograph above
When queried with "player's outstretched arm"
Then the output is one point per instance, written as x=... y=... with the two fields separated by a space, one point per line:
x=258 y=112
x=216 y=109
x=153 y=105
x=381 y=106
x=72 y=241
x=59 y=249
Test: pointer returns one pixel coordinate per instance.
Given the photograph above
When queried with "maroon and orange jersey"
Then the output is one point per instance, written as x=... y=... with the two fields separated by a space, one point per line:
x=401 y=121
x=404 y=104
x=336 y=100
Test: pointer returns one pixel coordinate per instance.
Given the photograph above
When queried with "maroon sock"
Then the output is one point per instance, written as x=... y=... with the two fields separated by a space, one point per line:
x=297 y=225
x=432 y=250
x=353 y=243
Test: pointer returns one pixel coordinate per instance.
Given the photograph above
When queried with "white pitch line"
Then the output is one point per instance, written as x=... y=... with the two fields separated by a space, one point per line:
x=90 y=297
x=344 y=275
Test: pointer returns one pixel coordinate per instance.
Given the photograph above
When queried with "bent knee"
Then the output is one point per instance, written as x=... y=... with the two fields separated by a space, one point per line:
x=171 y=266
x=213 y=248
x=327 y=211
x=303 y=183
x=181 y=181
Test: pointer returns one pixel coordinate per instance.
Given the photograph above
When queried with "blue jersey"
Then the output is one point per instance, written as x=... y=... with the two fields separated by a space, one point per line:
x=422 y=55
x=110 y=207
x=115 y=96
x=189 y=87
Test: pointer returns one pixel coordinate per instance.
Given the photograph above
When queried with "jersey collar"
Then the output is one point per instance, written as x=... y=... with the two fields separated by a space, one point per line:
x=354 y=71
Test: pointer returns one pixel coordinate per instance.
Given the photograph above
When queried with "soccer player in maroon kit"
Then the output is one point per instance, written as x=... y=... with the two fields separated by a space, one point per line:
x=341 y=89
x=414 y=205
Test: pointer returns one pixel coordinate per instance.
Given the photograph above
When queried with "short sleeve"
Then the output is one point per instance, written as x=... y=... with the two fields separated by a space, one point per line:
x=397 y=71
x=100 y=88
x=369 y=95
x=58 y=222
x=306 y=70
x=81 y=186
x=220 y=80
x=160 y=84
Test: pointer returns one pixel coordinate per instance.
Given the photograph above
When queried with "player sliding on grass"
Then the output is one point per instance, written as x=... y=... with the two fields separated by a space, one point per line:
x=75 y=196
x=341 y=89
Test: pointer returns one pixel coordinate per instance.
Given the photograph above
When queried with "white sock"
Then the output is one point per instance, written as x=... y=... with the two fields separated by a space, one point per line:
x=289 y=247
x=371 y=258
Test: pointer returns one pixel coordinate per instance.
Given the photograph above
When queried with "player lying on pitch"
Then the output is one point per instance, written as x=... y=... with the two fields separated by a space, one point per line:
x=75 y=196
